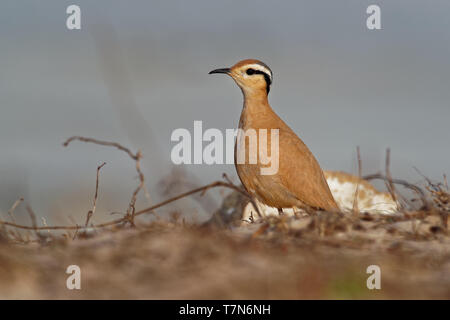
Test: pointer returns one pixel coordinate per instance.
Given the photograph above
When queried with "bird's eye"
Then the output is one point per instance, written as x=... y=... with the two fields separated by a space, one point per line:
x=250 y=71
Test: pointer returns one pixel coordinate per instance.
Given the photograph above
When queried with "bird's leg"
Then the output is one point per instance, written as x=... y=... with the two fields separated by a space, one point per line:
x=280 y=212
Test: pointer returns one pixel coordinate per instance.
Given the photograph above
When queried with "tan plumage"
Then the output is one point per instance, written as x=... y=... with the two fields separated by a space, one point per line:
x=299 y=181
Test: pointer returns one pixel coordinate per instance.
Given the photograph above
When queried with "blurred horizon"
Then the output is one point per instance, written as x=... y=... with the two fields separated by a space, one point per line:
x=138 y=70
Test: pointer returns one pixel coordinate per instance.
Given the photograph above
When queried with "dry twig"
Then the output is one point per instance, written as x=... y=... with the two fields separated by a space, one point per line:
x=355 y=200
x=389 y=183
x=103 y=143
x=13 y=207
x=94 y=205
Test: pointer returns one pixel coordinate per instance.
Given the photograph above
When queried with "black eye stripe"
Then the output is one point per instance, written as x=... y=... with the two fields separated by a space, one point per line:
x=267 y=78
x=251 y=71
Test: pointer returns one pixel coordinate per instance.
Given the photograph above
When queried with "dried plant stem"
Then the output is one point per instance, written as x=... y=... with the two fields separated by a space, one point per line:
x=389 y=183
x=100 y=142
x=17 y=235
x=33 y=222
x=94 y=205
x=13 y=207
x=355 y=200
x=131 y=212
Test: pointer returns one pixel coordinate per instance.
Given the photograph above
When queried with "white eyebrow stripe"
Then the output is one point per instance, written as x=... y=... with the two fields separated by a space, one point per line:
x=260 y=68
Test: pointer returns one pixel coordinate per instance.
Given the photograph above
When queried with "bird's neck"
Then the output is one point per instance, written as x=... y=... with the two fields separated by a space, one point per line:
x=256 y=101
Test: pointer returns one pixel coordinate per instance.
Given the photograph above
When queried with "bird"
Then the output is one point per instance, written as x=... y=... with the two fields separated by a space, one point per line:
x=299 y=181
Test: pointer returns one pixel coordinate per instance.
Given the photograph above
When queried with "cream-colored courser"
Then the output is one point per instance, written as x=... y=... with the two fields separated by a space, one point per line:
x=299 y=181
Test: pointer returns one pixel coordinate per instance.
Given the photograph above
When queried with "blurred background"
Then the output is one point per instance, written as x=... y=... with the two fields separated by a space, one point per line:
x=137 y=70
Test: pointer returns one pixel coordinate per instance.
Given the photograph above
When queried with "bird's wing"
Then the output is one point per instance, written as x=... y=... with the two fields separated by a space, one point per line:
x=301 y=173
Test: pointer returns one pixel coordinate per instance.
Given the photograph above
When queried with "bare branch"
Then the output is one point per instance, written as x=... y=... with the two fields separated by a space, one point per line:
x=32 y=216
x=33 y=222
x=92 y=211
x=100 y=142
x=131 y=208
x=355 y=200
x=389 y=184
x=14 y=206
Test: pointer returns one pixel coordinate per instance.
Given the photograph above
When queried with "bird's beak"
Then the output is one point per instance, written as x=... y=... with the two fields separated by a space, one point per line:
x=223 y=70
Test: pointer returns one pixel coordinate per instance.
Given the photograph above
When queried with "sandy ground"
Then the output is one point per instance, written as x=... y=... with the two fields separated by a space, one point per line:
x=324 y=257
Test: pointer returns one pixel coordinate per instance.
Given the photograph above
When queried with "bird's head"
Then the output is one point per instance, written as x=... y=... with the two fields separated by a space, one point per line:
x=251 y=76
